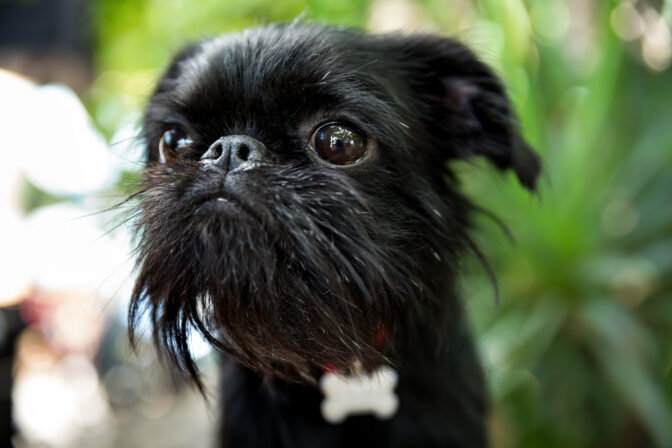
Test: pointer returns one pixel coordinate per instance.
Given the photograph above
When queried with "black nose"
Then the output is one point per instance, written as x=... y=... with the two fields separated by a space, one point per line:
x=235 y=151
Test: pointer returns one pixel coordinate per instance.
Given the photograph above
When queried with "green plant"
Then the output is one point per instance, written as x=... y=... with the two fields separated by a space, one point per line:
x=579 y=348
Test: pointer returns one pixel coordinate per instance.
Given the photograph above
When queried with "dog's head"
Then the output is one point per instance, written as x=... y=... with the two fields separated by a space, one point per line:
x=298 y=202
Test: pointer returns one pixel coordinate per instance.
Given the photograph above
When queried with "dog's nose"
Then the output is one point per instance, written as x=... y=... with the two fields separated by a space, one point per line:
x=234 y=152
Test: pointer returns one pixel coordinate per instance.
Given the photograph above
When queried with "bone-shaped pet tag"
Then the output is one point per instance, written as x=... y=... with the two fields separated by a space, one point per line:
x=359 y=394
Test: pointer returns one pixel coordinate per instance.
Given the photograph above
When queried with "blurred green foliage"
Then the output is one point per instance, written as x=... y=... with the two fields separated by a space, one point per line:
x=579 y=349
x=137 y=38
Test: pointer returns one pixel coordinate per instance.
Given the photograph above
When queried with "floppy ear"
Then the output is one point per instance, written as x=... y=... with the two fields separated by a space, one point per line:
x=464 y=105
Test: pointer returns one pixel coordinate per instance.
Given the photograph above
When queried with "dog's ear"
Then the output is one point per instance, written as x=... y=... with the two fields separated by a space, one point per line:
x=464 y=104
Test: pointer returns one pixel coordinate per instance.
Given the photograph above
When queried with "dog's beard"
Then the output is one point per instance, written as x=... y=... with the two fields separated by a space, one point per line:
x=293 y=268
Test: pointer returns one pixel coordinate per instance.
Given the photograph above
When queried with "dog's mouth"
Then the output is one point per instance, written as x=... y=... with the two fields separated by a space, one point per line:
x=227 y=196
x=223 y=202
x=215 y=202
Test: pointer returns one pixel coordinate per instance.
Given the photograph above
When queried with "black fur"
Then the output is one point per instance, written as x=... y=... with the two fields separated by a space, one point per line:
x=307 y=261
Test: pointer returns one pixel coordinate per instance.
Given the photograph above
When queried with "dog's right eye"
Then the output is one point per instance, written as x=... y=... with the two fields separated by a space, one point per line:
x=338 y=144
x=171 y=142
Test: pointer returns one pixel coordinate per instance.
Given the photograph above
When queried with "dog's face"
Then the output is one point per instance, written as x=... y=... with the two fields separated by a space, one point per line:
x=298 y=204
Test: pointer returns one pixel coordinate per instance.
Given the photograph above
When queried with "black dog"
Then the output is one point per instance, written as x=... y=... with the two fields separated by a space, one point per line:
x=298 y=211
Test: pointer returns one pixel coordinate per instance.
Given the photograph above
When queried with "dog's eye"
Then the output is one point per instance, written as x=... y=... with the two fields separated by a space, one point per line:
x=338 y=144
x=171 y=142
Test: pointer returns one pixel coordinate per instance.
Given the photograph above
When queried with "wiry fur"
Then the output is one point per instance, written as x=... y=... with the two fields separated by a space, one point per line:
x=308 y=262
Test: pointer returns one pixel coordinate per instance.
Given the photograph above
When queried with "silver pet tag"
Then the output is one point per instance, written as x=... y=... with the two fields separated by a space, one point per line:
x=359 y=394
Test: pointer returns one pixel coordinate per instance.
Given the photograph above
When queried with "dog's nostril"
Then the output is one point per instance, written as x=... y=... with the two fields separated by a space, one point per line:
x=216 y=151
x=243 y=152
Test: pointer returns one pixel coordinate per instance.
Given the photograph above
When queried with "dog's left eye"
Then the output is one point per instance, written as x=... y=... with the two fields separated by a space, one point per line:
x=338 y=144
x=171 y=142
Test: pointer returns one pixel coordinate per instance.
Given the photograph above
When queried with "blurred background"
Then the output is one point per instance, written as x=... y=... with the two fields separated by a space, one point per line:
x=578 y=350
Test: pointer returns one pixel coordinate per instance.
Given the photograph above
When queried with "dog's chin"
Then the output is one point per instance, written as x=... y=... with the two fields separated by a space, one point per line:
x=281 y=275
